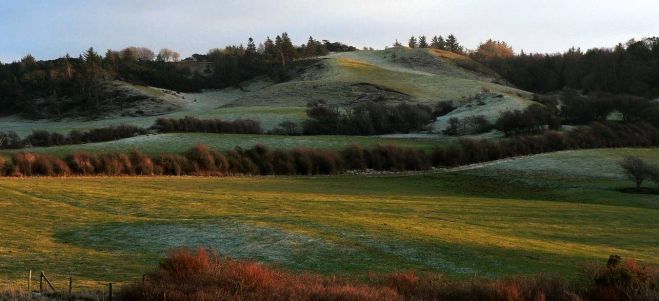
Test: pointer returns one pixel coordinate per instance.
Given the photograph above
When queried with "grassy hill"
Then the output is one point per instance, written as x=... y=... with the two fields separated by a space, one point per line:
x=466 y=223
x=392 y=75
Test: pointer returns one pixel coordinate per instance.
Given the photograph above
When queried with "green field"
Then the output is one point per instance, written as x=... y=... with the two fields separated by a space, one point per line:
x=488 y=221
x=181 y=142
x=269 y=118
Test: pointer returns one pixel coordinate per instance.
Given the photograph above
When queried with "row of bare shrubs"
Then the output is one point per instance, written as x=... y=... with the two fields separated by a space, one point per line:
x=204 y=275
x=192 y=124
x=260 y=160
x=11 y=140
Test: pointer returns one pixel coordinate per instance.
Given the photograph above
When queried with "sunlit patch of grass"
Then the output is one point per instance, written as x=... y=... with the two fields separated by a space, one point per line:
x=151 y=91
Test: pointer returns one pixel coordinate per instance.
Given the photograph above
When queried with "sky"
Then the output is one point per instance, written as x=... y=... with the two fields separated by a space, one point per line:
x=52 y=28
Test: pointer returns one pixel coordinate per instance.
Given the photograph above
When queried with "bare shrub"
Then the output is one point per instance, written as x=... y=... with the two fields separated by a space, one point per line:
x=83 y=163
x=23 y=163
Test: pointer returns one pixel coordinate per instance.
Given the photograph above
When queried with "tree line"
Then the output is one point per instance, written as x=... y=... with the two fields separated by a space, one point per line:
x=629 y=68
x=437 y=42
x=260 y=160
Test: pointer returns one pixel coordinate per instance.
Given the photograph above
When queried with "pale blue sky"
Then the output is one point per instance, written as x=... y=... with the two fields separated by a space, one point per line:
x=52 y=28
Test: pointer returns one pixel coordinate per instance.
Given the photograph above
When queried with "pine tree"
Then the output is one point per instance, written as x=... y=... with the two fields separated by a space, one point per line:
x=434 y=42
x=452 y=44
x=422 y=42
x=441 y=43
x=269 y=49
x=251 y=47
x=412 y=42
x=397 y=44
x=288 y=50
x=311 y=48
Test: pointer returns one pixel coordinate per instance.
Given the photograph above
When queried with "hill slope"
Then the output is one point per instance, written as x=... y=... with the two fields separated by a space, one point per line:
x=391 y=75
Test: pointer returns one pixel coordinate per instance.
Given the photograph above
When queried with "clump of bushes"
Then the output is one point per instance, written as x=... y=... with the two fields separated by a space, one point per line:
x=204 y=275
x=369 y=118
x=443 y=107
x=467 y=126
x=533 y=119
x=626 y=280
x=192 y=124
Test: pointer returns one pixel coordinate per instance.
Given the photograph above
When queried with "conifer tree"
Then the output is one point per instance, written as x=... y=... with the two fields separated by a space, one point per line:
x=422 y=42
x=412 y=42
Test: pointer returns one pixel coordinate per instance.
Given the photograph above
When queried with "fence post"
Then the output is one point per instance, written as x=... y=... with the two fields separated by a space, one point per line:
x=70 y=295
x=41 y=283
x=29 y=283
x=110 y=292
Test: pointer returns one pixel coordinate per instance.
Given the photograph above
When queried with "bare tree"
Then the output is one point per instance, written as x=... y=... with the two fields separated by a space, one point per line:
x=176 y=56
x=165 y=54
x=654 y=174
x=137 y=54
x=636 y=170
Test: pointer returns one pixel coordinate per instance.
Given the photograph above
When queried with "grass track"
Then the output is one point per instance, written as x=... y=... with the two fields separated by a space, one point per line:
x=113 y=229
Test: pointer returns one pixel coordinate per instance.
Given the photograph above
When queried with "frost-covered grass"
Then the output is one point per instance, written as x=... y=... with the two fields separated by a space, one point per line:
x=598 y=163
x=485 y=222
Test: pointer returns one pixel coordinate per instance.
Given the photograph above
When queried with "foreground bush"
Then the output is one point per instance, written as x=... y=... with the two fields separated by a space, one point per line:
x=204 y=275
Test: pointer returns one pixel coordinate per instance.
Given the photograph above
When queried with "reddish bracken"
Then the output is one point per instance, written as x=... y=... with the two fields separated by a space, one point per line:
x=204 y=275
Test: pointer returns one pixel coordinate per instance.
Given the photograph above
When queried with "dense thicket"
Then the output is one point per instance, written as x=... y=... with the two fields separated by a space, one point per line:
x=260 y=160
x=535 y=118
x=631 y=68
x=569 y=107
x=204 y=275
x=366 y=119
x=11 y=140
x=577 y=108
x=192 y=124
x=67 y=83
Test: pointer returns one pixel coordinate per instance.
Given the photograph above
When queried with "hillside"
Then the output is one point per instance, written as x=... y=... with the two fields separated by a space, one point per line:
x=391 y=75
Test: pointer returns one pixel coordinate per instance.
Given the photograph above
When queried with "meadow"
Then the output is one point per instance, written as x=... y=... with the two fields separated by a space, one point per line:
x=182 y=142
x=488 y=222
